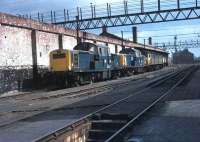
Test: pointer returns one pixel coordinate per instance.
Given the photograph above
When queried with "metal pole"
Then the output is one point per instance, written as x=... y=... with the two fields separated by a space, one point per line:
x=77 y=29
x=142 y=6
x=122 y=33
x=54 y=14
x=81 y=14
x=77 y=26
x=38 y=16
x=158 y=5
x=51 y=17
x=94 y=11
x=125 y=7
x=144 y=43
x=65 y=15
x=108 y=9
x=196 y=3
x=91 y=6
x=178 y=4
x=175 y=41
x=68 y=15
x=77 y=9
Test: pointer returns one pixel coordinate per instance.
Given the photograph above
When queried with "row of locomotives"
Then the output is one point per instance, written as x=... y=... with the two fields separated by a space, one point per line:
x=155 y=60
x=86 y=63
x=128 y=62
x=89 y=62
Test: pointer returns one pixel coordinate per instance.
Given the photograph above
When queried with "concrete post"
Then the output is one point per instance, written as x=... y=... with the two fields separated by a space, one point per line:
x=134 y=31
x=60 y=41
x=34 y=56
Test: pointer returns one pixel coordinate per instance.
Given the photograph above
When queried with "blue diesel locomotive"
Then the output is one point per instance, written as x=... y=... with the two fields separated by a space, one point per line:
x=92 y=62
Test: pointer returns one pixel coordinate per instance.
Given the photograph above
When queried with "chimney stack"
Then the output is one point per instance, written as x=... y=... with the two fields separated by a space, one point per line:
x=150 y=40
x=60 y=41
x=134 y=31
x=104 y=29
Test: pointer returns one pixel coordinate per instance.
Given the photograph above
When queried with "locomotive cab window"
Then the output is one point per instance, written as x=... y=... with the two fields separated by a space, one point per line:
x=76 y=60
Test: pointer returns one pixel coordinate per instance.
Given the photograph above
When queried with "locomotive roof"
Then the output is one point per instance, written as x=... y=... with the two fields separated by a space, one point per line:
x=127 y=51
x=85 y=46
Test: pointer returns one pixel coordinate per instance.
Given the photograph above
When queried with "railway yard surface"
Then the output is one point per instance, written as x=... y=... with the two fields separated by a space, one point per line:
x=159 y=106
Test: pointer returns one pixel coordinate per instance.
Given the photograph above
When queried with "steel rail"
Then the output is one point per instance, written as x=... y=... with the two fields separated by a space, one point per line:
x=117 y=137
x=71 y=93
x=64 y=93
x=69 y=127
x=108 y=87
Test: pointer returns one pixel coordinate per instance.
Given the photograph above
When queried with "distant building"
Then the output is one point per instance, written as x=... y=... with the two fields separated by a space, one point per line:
x=183 y=57
x=197 y=60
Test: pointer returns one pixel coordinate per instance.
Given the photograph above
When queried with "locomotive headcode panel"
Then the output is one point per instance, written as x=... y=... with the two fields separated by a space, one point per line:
x=60 y=60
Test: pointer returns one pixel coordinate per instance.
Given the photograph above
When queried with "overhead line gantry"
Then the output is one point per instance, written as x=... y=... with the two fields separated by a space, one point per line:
x=128 y=13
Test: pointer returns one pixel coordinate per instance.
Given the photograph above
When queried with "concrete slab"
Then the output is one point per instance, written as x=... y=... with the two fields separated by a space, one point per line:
x=176 y=121
x=37 y=126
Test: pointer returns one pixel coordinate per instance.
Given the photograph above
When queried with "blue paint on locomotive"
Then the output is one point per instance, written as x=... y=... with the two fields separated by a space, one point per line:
x=102 y=58
x=82 y=60
x=130 y=60
x=139 y=58
x=95 y=56
x=115 y=61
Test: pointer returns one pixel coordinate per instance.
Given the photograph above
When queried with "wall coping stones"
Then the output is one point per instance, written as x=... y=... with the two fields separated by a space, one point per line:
x=14 y=21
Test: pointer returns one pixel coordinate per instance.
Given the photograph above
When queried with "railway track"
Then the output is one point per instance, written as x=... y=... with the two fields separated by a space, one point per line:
x=118 y=135
x=74 y=94
x=123 y=113
x=65 y=92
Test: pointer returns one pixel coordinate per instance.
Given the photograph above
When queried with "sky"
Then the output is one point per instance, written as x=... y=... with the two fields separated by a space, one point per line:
x=160 y=32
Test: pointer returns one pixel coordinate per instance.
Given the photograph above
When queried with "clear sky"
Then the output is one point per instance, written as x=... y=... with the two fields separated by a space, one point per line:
x=186 y=30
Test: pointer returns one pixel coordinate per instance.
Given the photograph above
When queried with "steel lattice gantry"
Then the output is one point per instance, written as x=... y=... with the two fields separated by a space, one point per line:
x=134 y=19
x=179 y=45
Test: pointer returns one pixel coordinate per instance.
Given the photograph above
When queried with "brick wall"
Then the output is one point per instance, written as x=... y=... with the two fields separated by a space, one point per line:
x=16 y=47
